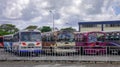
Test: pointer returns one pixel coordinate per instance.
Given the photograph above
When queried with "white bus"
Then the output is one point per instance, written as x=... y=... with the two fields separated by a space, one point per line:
x=27 y=41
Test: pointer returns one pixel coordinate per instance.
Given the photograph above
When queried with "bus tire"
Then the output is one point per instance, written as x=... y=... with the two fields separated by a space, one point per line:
x=81 y=51
x=119 y=52
x=20 y=54
x=5 y=49
x=108 y=50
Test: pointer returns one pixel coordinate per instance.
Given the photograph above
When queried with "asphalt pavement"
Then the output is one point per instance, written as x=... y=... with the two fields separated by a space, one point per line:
x=14 y=64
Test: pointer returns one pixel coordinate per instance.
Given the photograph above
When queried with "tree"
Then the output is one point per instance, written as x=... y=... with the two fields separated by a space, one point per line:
x=68 y=29
x=8 y=29
x=31 y=27
x=45 y=29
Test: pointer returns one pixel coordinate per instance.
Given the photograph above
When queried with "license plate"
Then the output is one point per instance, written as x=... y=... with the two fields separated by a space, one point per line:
x=31 y=49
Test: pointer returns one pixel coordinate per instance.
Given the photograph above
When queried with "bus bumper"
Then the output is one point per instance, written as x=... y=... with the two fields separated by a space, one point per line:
x=30 y=51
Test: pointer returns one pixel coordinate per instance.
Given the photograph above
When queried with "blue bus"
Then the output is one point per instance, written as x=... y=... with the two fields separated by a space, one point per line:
x=7 y=39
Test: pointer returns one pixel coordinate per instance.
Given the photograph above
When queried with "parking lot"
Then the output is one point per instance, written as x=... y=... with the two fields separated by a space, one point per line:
x=26 y=64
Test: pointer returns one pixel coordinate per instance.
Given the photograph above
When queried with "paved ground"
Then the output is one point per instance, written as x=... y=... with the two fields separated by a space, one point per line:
x=14 y=64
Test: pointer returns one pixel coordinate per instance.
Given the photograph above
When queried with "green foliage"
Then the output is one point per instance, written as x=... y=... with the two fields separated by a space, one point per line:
x=7 y=29
x=69 y=29
x=31 y=27
x=45 y=29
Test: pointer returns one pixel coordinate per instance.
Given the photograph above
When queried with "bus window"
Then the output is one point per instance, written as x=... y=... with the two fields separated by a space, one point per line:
x=7 y=38
x=92 y=37
x=96 y=37
x=107 y=37
x=16 y=37
x=25 y=36
x=69 y=37
x=35 y=36
x=52 y=38
x=30 y=36
x=44 y=38
x=80 y=38
x=100 y=37
x=117 y=36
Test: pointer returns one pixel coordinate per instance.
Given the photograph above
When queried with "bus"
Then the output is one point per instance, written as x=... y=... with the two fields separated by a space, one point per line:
x=27 y=42
x=8 y=42
x=1 y=42
x=113 y=40
x=60 y=42
x=48 y=41
x=90 y=42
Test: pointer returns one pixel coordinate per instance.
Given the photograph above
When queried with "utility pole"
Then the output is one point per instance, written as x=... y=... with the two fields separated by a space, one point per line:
x=52 y=20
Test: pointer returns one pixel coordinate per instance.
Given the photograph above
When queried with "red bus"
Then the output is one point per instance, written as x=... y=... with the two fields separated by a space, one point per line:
x=91 y=42
x=1 y=42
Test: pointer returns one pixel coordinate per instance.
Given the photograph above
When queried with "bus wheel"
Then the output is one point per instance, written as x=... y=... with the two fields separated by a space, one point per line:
x=19 y=54
x=37 y=54
x=108 y=50
x=82 y=51
x=119 y=52
x=5 y=49
x=79 y=51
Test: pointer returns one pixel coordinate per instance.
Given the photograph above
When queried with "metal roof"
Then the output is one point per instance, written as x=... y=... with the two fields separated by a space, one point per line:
x=99 y=22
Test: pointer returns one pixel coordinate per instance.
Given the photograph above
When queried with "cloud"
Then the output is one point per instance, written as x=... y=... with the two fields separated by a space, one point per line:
x=13 y=8
x=66 y=12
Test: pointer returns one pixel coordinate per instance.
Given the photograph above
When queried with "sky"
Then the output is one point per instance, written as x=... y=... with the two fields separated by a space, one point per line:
x=66 y=13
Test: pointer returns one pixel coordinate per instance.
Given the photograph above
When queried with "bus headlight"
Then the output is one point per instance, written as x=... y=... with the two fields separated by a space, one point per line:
x=38 y=44
x=24 y=44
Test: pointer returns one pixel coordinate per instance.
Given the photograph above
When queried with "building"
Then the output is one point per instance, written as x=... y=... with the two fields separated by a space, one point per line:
x=99 y=26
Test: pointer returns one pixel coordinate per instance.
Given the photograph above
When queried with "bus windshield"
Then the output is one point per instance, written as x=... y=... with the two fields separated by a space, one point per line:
x=69 y=37
x=30 y=36
x=96 y=37
x=8 y=38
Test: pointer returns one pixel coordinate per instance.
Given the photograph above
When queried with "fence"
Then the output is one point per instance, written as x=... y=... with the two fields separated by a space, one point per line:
x=63 y=53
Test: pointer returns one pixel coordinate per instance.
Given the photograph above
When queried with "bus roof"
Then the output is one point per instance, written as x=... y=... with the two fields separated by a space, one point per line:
x=28 y=31
x=9 y=35
x=88 y=32
x=112 y=31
